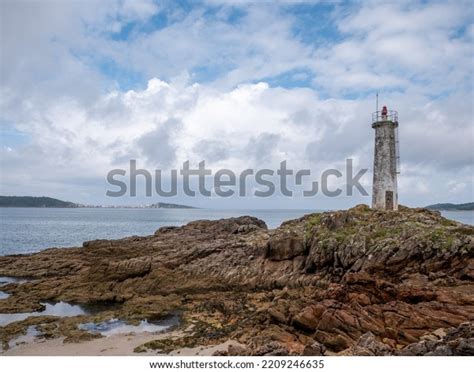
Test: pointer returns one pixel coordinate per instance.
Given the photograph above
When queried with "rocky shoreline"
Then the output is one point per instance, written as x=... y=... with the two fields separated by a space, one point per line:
x=355 y=282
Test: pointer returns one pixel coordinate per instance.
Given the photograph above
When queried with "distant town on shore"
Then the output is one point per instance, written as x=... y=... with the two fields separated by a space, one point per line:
x=47 y=202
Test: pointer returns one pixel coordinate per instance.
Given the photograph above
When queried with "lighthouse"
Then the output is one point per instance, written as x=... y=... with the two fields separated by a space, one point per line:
x=386 y=159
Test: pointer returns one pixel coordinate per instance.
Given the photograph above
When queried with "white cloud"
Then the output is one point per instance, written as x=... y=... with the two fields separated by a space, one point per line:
x=254 y=125
x=55 y=89
x=456 y=187
x=399 y=45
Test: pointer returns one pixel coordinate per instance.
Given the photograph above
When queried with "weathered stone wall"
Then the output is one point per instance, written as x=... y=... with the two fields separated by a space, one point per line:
x=385 y=164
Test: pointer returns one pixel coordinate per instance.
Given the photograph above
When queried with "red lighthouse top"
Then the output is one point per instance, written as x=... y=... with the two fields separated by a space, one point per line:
x=385 y=115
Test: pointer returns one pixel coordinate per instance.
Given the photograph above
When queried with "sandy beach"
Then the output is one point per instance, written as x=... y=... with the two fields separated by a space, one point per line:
x=115 y=345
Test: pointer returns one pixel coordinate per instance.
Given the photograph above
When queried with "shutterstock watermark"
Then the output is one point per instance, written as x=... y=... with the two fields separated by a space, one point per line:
x=226 y=183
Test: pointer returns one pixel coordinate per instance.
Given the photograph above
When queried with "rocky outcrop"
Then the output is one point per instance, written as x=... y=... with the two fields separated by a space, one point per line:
x=441 y=342
x=355 y=282
x=285 y=246
x=120 y=270
x=453 y=341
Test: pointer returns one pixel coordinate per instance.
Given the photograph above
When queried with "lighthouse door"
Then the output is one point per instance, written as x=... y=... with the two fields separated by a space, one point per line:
x=389 y=200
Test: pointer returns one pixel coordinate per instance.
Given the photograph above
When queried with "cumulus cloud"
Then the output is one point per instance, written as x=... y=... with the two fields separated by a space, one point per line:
x=237 y=129
x=211 y=150
x=211 y=84
x=157 y=146
x=399 y=45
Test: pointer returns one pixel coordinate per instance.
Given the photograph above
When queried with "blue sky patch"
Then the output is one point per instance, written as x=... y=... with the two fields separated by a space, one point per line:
x=12 y=137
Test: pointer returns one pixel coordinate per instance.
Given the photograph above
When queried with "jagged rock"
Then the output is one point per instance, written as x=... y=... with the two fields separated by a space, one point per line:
x=368 y=341
x=285 y=247
x=232 y=350
x=271 y=349
x=237 y=350
x=315 y=349
x=309 y=318
x=465 y=347
x=455 y=341
x=441 y=350
x=440 y=332
x=165 y=229
x=277 y=315
x=356 y=282
x=230 y=225
x=121 y=270
x=98 y=243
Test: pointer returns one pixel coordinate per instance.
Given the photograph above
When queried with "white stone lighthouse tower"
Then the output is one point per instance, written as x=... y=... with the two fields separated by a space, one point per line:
x=385 y=193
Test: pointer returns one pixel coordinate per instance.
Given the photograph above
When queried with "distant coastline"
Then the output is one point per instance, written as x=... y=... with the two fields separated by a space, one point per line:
x=171 y=206
x=452 y=207
x=47 y=202
x=34 y=202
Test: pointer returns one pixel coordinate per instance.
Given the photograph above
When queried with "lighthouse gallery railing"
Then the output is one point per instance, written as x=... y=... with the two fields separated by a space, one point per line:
x=392 y=115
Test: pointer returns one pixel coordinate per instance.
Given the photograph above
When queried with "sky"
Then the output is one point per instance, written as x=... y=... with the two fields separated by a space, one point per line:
x=86 y=86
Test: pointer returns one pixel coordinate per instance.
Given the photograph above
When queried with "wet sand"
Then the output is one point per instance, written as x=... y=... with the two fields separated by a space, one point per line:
x=115 y=345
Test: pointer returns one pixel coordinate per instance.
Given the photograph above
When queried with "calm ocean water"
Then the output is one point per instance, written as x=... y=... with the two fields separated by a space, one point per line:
x=24 y=230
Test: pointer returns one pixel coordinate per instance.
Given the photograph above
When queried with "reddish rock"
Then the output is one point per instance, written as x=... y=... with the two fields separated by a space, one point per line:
x=358 y=282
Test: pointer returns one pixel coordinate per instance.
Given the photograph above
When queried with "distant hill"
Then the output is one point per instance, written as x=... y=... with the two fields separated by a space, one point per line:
x=452 y=207
x=171 y=206
x=34 y=202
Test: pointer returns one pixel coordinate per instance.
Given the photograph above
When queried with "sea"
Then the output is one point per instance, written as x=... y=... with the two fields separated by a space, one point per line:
x=27 y=230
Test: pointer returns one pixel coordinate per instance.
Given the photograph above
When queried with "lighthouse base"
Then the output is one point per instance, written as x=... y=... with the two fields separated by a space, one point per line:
x=385 y=201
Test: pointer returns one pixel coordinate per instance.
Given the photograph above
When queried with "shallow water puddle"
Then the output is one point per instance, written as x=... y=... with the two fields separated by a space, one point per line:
x=4 y=295
x=117 y=326
x=4 y=280
x=61 y=309
x=8 y=279
x=31 y=334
